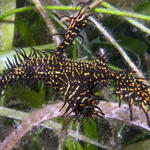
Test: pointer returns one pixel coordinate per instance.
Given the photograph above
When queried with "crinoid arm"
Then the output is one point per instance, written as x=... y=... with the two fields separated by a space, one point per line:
x=130 y=88
x=77 y=24
x=102 y=71
x=25 y=67
x=80 y=101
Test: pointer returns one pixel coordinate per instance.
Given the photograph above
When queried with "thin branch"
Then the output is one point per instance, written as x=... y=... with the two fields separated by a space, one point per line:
x=95 y=3
x=48 y=21
x=91 y=6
